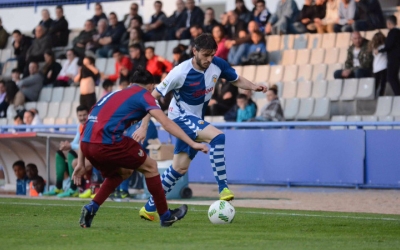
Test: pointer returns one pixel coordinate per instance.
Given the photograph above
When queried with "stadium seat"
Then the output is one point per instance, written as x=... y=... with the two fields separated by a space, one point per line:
x=11 y=113
x=384 y=106
x=276 y=73
x=273 y=42
x=238 y=69
x=306 y=109
x=290 y=73
x=3 y=121
x=322 y=109
x=101 y=64
x=291 y=108
x=304 y=72
x=8 y=67
x=369 y=34
x=319 y=88
x=369 y=118
x=5 y=55
x=287 y=42
x=97 y=91
x=10 y=121
x=304 y=89
x=71 y=121
x=328 y=40
x=57 y=94
x=69 y=94
x=282 y=101
x=319 y=72
x=149 y=44
x=300 y=41
x=260 y=104
x=65 y=110
x=303 y=56
x=54 y=109
x=314 y=41
x=185 y=41
x=343 y=40
x=349 y=92
x=262 y=73
x=353 y=118
x=387 y=118
x=61 y=121
x=77 y=95
x=170 y=47
x=331 y=55
x=218 y=119
x=366 y=89
x=30 y=105
x=208 y=118
x=72 y=114
x=317 y=56
x=275 y=57
x=385 y=32
x=289 y=89
x=49 y=121
x=45 y=94
x=334 y=89
x=289 y=57
x=42 y=108
x=9 y=42
x=280 y=88
x=249 y=72
x=110 y=66
x=338 y=118
x=160 y=48
x=396 y=106
x=342 y=55
x=331 y=70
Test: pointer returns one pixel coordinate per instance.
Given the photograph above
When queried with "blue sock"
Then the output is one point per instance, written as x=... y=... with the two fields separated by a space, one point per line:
x=93 y=205
x=168 y=180
x=165 y=216
x=217 y=159
x=124 y=185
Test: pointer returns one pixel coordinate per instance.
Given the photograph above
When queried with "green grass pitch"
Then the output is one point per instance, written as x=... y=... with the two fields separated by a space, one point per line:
x=53 y=224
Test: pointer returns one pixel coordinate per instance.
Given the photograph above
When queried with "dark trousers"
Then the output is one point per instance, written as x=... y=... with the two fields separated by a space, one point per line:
x=356 y=73
x=342 y=28
x=88 y=100
x=393 y=68
x=380 y=82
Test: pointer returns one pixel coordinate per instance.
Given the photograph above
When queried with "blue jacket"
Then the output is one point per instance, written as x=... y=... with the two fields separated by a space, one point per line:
x=246 y=114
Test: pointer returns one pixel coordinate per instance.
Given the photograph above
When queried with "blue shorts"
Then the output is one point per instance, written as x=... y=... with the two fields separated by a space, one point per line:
x=190 y=125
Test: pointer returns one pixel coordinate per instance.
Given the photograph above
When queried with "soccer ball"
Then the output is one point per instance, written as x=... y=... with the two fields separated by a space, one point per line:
x=221 y=212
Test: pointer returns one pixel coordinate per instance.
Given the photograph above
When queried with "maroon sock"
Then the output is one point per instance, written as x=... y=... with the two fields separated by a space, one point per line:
x=108 y=186
x=155 y=188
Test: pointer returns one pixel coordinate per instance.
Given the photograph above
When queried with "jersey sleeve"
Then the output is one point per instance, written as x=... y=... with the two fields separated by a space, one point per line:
x=227 y=72
x=172 y=81
x=149 y=102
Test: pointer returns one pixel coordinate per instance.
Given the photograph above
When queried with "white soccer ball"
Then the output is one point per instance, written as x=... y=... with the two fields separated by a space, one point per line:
x=221 y=212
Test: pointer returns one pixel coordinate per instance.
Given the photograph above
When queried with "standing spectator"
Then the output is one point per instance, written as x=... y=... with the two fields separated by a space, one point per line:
x=273 y=110
x=347 y=11
x=243 y=13
x=327 y=23
x=133 y=36
x=59 y=29
x=87 y=78
x=84 y=38
x=209 y=20
x=155 y=30
x=40 y=44
x=380 y=63
x=133 y=13
x=284 y=20
x=21 y=45
x=368 y=15
x=122 y=66
x=3 y=36
x=98 y=14
x=157 y=65
x=193 y=15
x=392 y=48
x=111 y=39
x=51 y=68
x=175 y=19
x=246 y=110
x=3 y=99
x=223 y=98
x=234 y=25
x=261 y=14
x=29 y=87
x=218 y=33
x=45 y=22
x=68 y=71
x=138 y=58
x=22 y=179
x=359 y=59
x=257 y=52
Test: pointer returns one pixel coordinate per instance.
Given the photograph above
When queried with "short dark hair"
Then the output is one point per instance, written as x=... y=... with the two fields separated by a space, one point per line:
x=2 y=82
x=49 y=52
x=99 y=4
x=177 y=50
x=31 y=165
x=60 y=7
x=150 y=47
x=19 y=163
x=82 y=108
x=113 y=13
x=274 y=89
x=30 y=112
x=392 y=19
x=196 y=26
x=107 y=83
x=205 y=41
x=210 y=8
x=17 y=32
x=260 y=1
x=142 y=76
x=116 y=50
x=91 y=59
x=39 y=179
x=241 y=96
x=16 y=70
x=159 y=2
x=135 y=46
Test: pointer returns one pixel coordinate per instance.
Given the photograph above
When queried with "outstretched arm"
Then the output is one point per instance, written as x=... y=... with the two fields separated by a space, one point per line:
x=243 y=83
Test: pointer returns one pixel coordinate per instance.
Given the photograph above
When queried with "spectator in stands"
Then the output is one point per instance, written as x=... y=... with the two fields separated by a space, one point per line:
x=40 y=44
x=29 y=119
x=246 y=110
x=209 y=20
x=50 y=69
x=175 y=19
x=273 y=110
x=84 y=39
x=133 y=13
x=193 y=15
x=379 y=65
x=234 y=26
x=21 y=45
x=107 y=87
x=45 y=22
x=38 y=184
x=311 y=13
x=68 y=71
x=243 y=13
x=3 y=36
x=129 y=38
x=359 y=59
x=223 y=98
x=36 y=119
x=157 y=65
x=59 y=29
x=156 y=30
x=111 y=39
x=16 y=75
x=122 y=67
x=22 y=179
x=284 y=20
x=29 y=87
x=261 y=14
x=102 y=27
x=123 y=84
x=327 y=23
x=392 y=48
x=137 y=56
x=257 y=52
x=368 y=15
x=3 y=100
x=179 y=55
x=195 y=31
x=347 y=11
x=218 y=33
x=87 y=78
x=98 y=14
x=18 y=120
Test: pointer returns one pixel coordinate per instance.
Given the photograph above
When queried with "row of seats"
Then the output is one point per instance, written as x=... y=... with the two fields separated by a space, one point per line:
x=314 y=56
x=368 y=118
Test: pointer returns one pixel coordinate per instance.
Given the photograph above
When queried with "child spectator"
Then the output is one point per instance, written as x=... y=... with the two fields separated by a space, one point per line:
x=257 y=52
x=38 y=185
x=246 y=110
x=218 y=33
x=379 y=64
x=22 y=179
x=273 y=110
x=107 y=87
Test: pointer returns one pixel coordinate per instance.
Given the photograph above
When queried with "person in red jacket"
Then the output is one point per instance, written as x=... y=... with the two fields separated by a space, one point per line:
x=157 y=65
x=122 y=66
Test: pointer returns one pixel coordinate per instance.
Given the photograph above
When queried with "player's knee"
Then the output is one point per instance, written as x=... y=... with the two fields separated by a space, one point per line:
x=218 y=140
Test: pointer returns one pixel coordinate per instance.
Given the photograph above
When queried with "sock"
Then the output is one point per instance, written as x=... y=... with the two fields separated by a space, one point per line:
x=168 y=180
x=156 y=190
x=108 y=186
x=217 y=159
x=70 y=157
x=60 y=168
x=124 y=186
x=94 y=205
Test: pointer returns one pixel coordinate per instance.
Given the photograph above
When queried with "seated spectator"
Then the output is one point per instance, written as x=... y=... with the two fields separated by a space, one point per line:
x=175 y=19
x=261 y=14
x=133 y=13
x=15 y=75
x=107 y=87
x=246 y=110
x=21 y=45
x=359 y=59
x=38 y=185
x=223 y=98
x=156 y=30
x=347 y=11
x=87 y=78
x=134 y=36
x=273 y=110
x=122 y=67
x=209 y=20
x=234 y=26
x=311 y=13
x=368 y=16
x=111 y=39
x=68 y=71
x=156 y=65
x=22 y=179
x=29 y=87
x=193 y=15
x=218 y=33
x=11 y=90
x=29 y=119
x=284 y=20
x=195 y=31
x=51 y=69
x=136 y=53
x=32 y=173
x=3 y=36
x=18 y=120
x=59 y=29
x=179 y=54
x=238 y=47
x=94 y=44
x=379 y=64
x=84 y=39
x=327 y=23
x=3 y=100
x=257 y=53
x=45 y=22
x=98 y=14
x=36 y=118
x=243 y=13
x=40 y=44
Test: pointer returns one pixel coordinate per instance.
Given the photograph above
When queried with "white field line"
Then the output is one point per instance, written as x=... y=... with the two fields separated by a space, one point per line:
x=205 y=211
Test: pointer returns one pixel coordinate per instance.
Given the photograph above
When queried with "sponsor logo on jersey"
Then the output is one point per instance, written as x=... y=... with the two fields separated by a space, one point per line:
x=141 y=153
x=164 y=83
x=201 y=122
x=194 y=84
x=202 y=92
x=214 y=78
x=92 y=118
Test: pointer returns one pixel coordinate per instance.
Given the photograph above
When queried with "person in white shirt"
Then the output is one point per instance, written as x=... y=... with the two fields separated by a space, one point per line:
x=69 y=70
x=332 y=15
x=29 y=119
x=379 y=64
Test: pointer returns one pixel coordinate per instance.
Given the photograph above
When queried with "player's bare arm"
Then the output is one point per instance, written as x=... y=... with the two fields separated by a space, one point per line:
x=80 y=169
x=243 y=83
